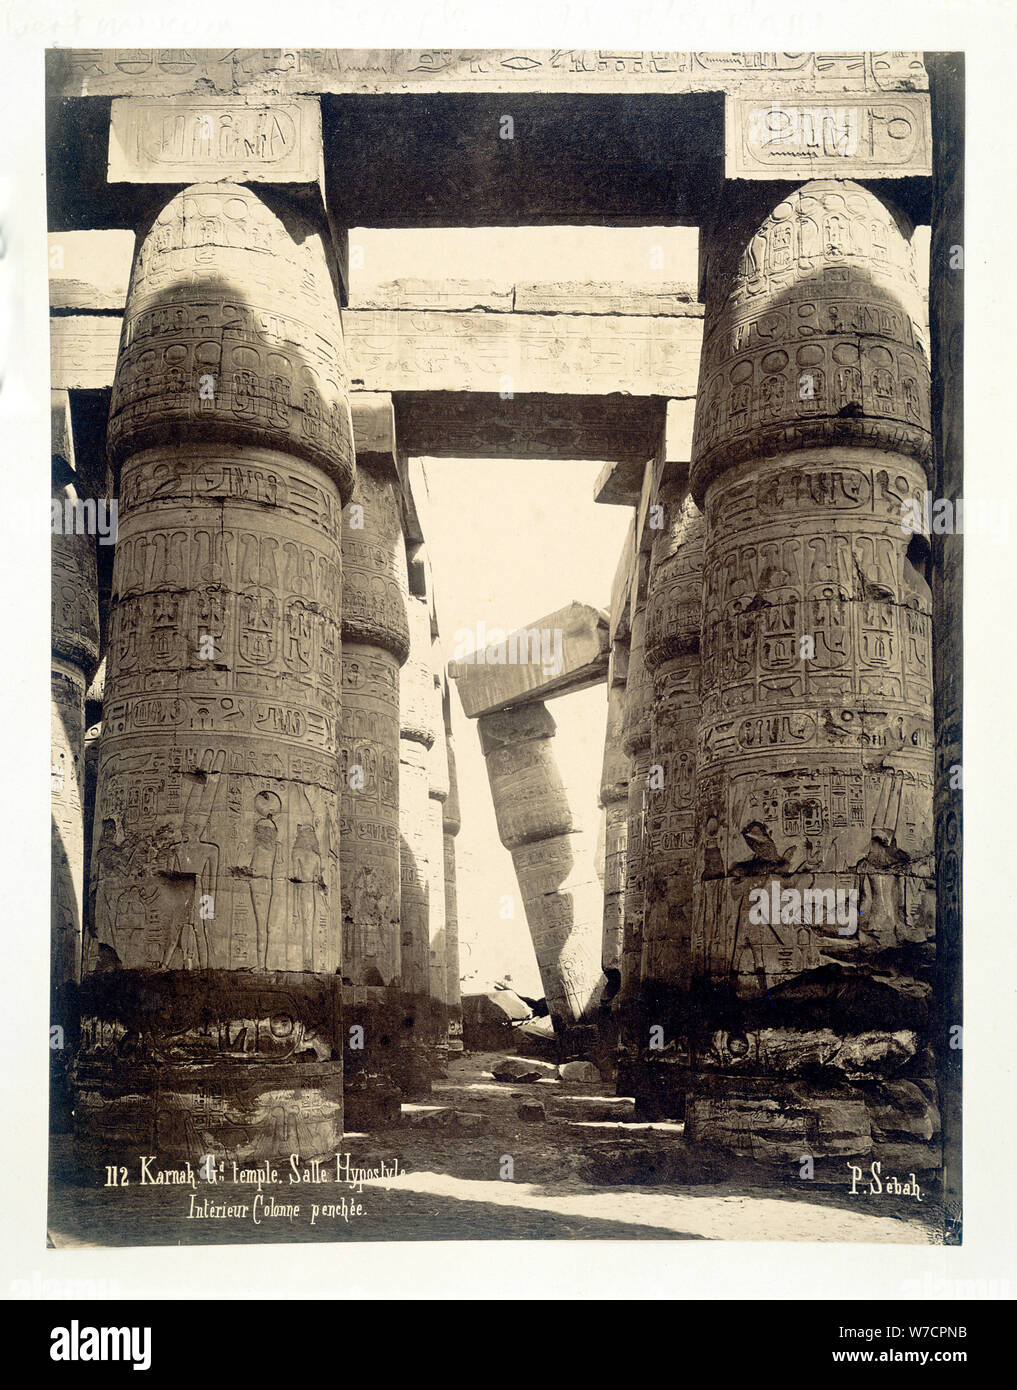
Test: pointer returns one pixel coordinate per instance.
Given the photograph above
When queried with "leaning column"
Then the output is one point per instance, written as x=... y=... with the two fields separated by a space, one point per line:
x=814 y=915
x=211 y=1008
x=561 y=894
x=375 y=644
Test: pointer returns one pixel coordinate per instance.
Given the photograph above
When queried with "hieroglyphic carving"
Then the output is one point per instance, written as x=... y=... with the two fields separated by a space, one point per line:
x=393 y=350
x=251 y=348
x=673 y=615
x=434 y=424
x=814 y=766
x=818 y=339
x=614 y=792
x=827 y=137
x=217 y=807
x=183 y=140
x=554 y=868
x=119 y=71
x=636 y=744
x=375 y=643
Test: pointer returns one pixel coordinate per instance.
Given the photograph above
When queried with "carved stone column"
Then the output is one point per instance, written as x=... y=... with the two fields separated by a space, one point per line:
x=636 y=746
x=450 y=822
x=673 y=616
x=75 y=634
x=375 y=645
x=559 y=888
x=437 y=795
x=212 y=1005
x=614 y=799
x=946 y=80
x=419 y=1063
x=814 y=917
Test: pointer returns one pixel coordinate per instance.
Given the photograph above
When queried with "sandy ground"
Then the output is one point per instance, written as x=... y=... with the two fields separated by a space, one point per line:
x=469 y=1168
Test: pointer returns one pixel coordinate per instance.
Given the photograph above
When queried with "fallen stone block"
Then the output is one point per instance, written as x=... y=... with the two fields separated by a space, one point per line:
x=533 y=1111
x=520 y=1069
x=579 y=1071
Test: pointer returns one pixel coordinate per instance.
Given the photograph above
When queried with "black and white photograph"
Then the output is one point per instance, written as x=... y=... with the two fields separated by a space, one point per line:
x=511 y=562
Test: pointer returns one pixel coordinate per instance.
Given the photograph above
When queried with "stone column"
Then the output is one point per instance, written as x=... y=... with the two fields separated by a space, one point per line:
x=636 y=747
x=212 y=1006
x=814 y=914
x=375 y=638
x=946 y=80
x=450 y=823
x=614 y=800
x=437 y=795
x=416 y=736
x=75 y=634
x=673 y=615
x=559 y=888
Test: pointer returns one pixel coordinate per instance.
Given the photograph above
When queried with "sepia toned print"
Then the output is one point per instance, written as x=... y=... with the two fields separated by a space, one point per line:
x=268 y=742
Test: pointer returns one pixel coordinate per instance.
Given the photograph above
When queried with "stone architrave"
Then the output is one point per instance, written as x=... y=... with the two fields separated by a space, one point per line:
x=450 y=822
x=211 y=1008
x=557 y=881
x=814 y=915
x=673 y=615
x=420 y=1059
x=946 y=74
x=75 y=639
x=375 y=643
x=565 y=651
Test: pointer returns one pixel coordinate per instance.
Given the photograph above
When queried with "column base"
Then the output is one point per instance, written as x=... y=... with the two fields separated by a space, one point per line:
x=781 y=1123
x=231 y=1110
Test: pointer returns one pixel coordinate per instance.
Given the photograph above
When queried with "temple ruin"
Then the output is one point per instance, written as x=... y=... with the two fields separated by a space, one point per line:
x=255 y=802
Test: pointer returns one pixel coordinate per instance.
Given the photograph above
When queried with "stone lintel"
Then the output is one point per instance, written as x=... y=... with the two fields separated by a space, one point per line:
x=78 y=72
x=846 y=135
x=414 y=295
x=599 y=354
x=571 y=651
x=669 y=300
x=548 y=425
x=192 y=139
